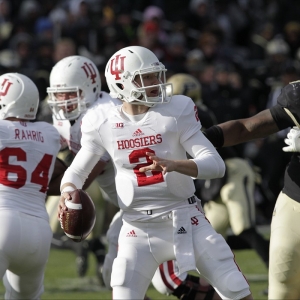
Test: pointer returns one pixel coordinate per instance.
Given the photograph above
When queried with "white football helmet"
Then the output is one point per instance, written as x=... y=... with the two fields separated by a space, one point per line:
x=125 y=65
x=76 y=74
x=19 y=97
x=186 y=84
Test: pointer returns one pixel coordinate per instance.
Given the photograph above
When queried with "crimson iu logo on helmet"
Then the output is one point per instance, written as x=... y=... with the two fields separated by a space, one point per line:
x=5 y=84
x=117 y=69
x=125 y=72
x=90 y=71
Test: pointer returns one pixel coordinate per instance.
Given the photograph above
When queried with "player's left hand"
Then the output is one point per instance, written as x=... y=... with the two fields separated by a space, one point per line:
x=292 y=140
x=159 y=164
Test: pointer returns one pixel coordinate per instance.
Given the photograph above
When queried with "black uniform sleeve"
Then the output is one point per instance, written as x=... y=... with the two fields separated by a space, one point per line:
x=289 y=98
x=215 y=135
x=282 y=119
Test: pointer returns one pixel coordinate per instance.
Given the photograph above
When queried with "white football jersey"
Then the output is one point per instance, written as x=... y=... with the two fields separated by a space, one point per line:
x=27 y=157
x=163 y=130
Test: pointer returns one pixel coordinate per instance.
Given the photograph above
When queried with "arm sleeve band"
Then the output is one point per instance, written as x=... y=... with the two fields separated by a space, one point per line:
x=215 y=135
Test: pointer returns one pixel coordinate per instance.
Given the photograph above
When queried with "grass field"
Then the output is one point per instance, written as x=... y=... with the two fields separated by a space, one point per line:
x=62 y=282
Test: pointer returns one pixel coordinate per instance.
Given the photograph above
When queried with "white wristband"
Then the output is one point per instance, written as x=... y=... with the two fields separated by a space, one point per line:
x=67 y=189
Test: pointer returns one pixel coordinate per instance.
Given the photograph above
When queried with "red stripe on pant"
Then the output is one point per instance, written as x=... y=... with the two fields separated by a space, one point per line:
x=170 y=274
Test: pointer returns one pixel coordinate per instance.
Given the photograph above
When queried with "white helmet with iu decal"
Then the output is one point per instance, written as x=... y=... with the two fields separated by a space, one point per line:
x=122 y=69
x=19 y=97
x=78 y=76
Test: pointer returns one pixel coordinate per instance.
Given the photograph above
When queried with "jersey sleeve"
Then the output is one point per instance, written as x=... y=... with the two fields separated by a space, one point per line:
x=206 y=157
x=208 y=161
x=91 y=138
x=188 y=121
x=80 y=168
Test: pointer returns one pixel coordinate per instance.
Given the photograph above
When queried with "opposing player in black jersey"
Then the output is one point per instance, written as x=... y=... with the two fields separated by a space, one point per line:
x=284 y=263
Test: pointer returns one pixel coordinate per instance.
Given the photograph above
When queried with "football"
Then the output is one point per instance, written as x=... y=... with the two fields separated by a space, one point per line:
x=79 y=220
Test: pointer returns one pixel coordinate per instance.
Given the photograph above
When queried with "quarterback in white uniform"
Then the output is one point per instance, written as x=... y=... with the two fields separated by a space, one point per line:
x=148 y=137
x=28 y=152
x=68 y=78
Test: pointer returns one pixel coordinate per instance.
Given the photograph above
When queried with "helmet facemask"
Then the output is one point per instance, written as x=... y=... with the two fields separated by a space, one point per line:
x=66 y=109
x=139 y=91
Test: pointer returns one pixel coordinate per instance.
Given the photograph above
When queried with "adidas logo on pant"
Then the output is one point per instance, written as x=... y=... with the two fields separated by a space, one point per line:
x=181 y=230
x=131 y=234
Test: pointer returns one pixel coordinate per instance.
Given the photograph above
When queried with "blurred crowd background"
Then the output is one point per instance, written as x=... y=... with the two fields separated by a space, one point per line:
x=241 y=51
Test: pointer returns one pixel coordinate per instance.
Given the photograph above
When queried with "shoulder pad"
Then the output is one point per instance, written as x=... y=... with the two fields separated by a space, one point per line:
x=290 y=98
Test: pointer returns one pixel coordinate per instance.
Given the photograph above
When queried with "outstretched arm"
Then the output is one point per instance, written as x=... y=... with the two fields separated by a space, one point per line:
x=206 y=163
x=186 y=167
x=242 y=130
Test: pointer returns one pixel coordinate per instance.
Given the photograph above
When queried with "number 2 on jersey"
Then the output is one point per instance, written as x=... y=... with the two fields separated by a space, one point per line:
x=142 y=178
x=40 y=175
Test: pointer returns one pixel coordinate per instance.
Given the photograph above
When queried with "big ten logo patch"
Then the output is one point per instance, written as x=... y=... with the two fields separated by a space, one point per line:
x=117 y=125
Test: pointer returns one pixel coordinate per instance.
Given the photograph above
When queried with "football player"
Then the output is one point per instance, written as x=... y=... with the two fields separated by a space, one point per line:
x=161 y=218
x=28 y=153
x=75 y=87
x=68 y=124
x=284 y=262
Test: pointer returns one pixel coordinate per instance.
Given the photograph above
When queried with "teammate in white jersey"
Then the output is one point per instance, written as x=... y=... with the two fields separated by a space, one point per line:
x=75 y=87
x=148 y=138
x=28 y=152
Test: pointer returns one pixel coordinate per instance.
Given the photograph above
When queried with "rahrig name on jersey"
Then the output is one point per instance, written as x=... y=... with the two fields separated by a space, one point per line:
x=29 y=135
x=139 y=142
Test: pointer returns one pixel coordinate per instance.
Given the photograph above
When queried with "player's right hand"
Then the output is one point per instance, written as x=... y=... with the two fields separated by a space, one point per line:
x=158 y=164
x=292 y=140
